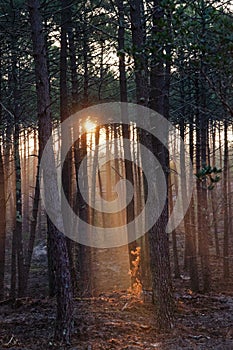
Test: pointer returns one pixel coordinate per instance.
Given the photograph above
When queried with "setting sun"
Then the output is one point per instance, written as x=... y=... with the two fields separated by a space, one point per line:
x=89 y=125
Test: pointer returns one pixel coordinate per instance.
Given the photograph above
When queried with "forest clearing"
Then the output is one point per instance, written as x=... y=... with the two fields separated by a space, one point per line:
x=116 y=174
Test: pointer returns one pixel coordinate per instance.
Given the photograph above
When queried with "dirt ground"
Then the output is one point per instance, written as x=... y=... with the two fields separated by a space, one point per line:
x=118 y=320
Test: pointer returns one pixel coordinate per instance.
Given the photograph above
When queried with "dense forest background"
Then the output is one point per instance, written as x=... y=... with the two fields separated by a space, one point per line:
x=60 y=57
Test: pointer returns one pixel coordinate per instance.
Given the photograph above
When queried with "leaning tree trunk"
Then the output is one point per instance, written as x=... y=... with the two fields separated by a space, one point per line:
x=64 y=318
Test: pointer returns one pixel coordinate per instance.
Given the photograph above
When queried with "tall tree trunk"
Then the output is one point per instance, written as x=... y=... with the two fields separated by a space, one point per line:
x=130 y=209
x=158 y=239
x=65 y=134
x=203 y=202
x=84 y=252
x=201 y=142
x=121 y=52
x=2 y=201
x=73 y=68
x=213 y=195
x=101 y=78
x=159 y=244
x=73 y=246
x=2 y=226
x=174 y=237
x=140 y=61
x=85 y=58
x=18 y=180
x=225 y=205
x=193 y=266
x=64 y=318
x=35 y=207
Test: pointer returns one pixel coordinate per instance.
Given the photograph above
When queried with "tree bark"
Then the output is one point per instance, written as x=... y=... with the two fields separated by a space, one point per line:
x=2 y=203
x=158 y=238
x=226 y=270
x=2 y=226
x=64 y=318
x=140 y=61
x=18 y=180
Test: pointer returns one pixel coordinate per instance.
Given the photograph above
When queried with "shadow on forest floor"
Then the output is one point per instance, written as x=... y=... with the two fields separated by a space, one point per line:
x=119 y=321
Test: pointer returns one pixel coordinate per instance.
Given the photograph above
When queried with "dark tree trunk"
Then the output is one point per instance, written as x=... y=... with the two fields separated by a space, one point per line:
x=18 y=180
x=140 y=61
x=73 y=68
x=2 y=226
x=85 y=59
x=201 y=138
x=35 y=207
x=213 y=195
x=158 y=238
x=84 y=252
x=225 y=206
x=2 y=203
x=193 y=267
x=190 y=262
x=65 y=134
x=174 y=237
x=130 y=212
x=64 y=319
x=121 y=51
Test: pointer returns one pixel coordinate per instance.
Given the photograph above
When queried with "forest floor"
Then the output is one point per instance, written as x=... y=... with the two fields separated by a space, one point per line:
x=119 y=320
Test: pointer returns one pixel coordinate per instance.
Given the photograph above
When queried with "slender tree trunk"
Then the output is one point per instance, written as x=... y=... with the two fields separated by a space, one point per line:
x=130 y=210
x=35 y=207
x=2 y=202
x=213 y=196
x=2 y=226
x=202 y=207
x=225 y=206
x=65 y=134
x=101 y=81
x=85 y=59
x=174 y=237
x=193 y=266
x=73 y=68
x=84 y=252
x=18 y=181
x=140 y=61
x=121 y=51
